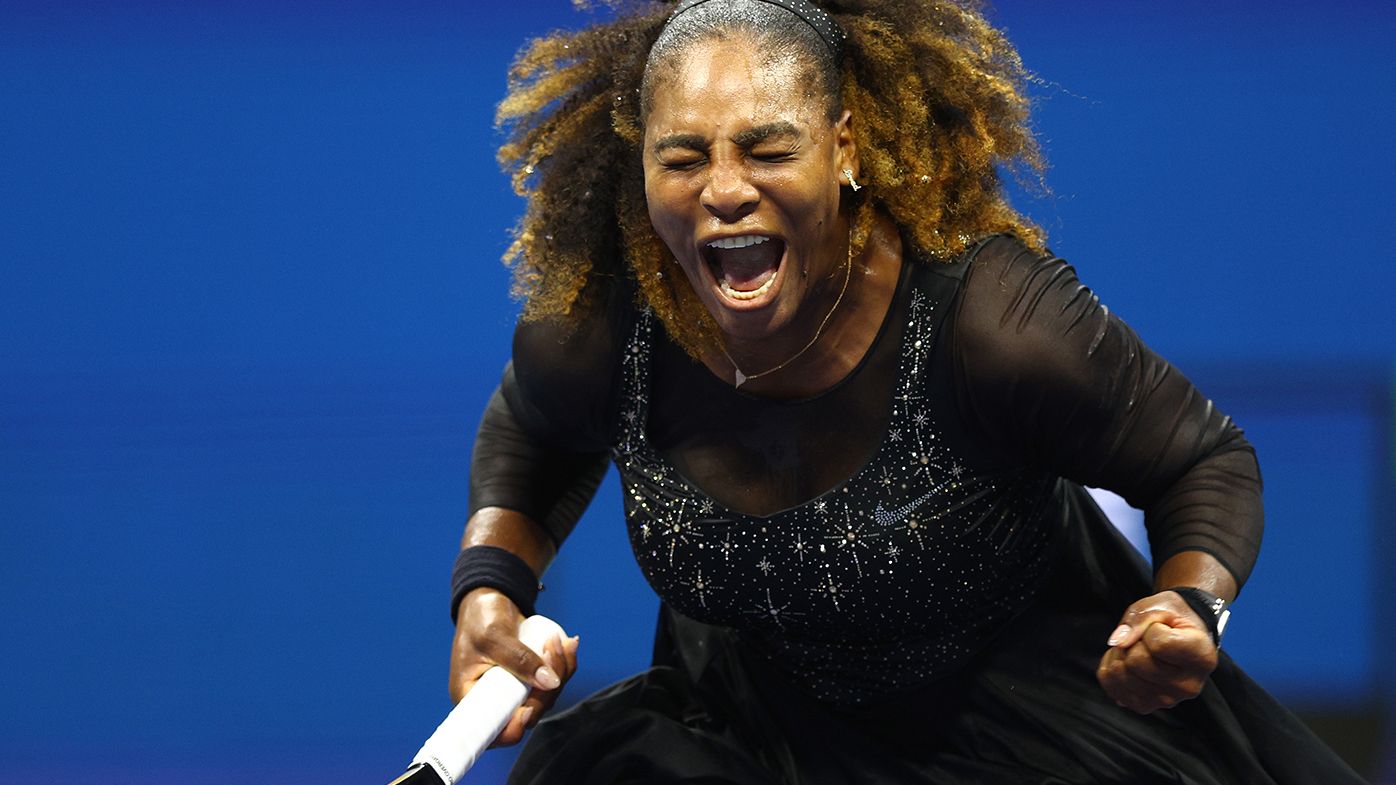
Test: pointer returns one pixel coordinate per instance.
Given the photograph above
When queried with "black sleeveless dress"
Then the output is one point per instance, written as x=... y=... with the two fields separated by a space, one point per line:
x=929 y=598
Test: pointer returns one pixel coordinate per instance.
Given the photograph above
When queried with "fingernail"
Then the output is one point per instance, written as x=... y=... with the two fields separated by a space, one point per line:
x=1118 y=635
x=546 y=678
x=525 y=716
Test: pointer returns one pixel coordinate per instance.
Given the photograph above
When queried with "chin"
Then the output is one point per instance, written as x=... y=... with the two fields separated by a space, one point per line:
x=749 y=324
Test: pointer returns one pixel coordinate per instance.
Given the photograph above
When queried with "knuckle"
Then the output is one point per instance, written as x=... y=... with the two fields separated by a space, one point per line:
x=1140 y=668
x=1108 y=674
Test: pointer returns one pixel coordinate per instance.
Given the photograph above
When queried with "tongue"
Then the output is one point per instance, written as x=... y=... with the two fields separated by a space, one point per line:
x=746 y=269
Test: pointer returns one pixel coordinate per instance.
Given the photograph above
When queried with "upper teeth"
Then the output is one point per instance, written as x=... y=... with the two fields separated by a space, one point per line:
x=737 y=242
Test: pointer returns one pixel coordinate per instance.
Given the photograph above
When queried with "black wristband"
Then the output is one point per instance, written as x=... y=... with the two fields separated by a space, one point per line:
x=1211 y=608
x=496 y=568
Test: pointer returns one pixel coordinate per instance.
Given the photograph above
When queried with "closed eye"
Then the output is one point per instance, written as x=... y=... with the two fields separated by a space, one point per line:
x=773 y=157
x=682 y=164
x=774 y=150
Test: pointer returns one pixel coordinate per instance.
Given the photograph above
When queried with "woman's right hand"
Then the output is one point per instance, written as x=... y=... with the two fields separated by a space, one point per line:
x=487 y=634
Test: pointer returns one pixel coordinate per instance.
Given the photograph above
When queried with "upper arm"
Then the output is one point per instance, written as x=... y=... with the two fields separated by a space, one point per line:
x=1049 y=375
x=542 y=445
x=561 y=382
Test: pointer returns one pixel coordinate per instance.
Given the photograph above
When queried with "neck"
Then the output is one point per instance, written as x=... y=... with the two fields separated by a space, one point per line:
x=829 y=339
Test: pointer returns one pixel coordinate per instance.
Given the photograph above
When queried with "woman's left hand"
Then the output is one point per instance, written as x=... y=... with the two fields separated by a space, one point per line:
x=1159 y=656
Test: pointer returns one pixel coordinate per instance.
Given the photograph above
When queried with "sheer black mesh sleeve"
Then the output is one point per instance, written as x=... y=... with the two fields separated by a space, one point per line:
x=1051 y=376
x=511 y=469
x=541 y=448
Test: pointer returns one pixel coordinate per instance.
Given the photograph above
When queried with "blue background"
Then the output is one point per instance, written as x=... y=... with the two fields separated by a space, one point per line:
x=251 y=307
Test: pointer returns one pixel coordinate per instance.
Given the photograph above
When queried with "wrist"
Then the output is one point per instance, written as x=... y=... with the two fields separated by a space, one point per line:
x=1213 y=610
x=496 y=569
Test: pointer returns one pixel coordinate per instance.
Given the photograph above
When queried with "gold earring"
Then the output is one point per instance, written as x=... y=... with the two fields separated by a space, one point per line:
x=849 y=174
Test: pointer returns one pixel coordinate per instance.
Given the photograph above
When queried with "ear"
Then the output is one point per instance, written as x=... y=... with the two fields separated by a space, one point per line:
x=846 y=146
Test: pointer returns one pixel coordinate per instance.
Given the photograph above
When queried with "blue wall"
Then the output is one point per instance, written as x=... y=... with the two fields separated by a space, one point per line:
x=250 y=307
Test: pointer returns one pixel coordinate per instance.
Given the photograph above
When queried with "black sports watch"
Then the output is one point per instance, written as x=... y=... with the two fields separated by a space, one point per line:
x=1210 y=607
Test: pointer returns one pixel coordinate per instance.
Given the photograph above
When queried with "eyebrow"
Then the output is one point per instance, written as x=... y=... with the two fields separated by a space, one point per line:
x=761 y=133
x=746 y=138
x=682 y=141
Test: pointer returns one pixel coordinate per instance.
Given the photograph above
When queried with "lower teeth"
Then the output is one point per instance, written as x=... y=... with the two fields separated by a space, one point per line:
x=738 y=294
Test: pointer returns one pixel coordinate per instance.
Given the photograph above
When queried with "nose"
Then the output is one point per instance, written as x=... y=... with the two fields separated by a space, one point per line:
x=729 y=194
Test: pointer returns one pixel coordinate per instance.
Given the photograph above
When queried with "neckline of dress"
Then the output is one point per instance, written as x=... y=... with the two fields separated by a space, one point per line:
x=905 y=289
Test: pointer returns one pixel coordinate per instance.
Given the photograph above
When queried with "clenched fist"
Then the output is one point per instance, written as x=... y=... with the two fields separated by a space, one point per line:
x=1160 y=655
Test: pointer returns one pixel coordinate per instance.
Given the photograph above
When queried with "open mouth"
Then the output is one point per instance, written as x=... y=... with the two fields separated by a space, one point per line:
x=745 y=268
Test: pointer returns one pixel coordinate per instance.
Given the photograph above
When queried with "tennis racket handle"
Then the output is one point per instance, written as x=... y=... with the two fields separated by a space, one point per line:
x=479 y=717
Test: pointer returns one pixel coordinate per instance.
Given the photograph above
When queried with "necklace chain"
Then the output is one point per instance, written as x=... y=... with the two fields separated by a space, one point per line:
x=740 y=378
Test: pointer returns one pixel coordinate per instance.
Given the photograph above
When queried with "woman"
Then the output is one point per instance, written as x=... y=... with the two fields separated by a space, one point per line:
x=771 y=275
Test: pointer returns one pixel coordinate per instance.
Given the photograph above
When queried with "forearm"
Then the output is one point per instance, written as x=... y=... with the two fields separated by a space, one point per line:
x=518 y=468
x=514 y=532
x=1199 y=570
x=512 y=584
x=1215 y=508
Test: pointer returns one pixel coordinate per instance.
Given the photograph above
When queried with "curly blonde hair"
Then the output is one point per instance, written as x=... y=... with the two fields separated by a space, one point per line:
x=941 y=110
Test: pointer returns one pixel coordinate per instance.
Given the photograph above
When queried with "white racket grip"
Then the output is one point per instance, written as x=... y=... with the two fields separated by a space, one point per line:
x=484 y=711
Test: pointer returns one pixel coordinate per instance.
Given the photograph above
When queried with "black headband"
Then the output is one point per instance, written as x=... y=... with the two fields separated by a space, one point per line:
x=809 y=13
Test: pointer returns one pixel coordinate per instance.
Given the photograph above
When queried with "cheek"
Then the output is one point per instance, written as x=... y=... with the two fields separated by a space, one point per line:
x=668 y=209
x=652 y=196
x=808 y=188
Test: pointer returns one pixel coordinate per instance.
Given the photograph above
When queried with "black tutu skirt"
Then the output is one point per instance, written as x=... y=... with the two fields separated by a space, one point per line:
x=1027 y=709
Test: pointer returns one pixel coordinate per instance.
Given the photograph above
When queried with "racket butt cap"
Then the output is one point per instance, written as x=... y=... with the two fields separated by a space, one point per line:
x=419 y=774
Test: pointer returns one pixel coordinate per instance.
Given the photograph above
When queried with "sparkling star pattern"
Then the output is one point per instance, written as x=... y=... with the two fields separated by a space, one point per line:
x=904 y=568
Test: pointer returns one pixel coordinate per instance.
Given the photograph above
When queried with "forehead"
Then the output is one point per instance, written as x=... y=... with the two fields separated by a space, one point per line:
x=727 y=81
